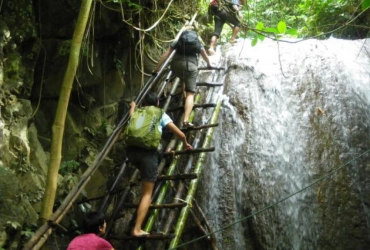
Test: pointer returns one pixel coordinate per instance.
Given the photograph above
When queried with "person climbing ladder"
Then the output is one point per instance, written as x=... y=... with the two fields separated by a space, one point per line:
x=185 y=66
x=222 y=15
x=142 y=138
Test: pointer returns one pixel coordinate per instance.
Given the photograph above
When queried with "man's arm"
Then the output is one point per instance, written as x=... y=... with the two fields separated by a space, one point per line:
x=179 y=134
x=132 y=107
x=205 y=58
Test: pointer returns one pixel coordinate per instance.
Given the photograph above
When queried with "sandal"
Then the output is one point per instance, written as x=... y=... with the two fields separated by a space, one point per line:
x=188 y=124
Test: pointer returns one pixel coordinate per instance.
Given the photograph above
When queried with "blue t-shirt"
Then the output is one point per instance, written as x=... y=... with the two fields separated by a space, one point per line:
x=235 y=2
x=165 y=119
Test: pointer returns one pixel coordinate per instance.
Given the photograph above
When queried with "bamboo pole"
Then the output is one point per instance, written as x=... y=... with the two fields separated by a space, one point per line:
x=179 y=194
x=212 y=237
x=48 y=199
x=165 y=185
x=194 y=183
x=110 y=223
x=107 y=198
x=180 y=189
x=201 y=228
x=46 y=229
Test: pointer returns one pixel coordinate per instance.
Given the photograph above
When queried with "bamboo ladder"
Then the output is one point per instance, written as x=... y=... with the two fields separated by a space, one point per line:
x=176 y=183
x=202 y=136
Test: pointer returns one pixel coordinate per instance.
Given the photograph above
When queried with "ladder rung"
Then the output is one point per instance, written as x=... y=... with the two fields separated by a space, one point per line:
x=177 y=177
x=193 y=151
x=147 y=237
x=158 y=206
x=213 y=68
x=209 y=84
x=199 y=127
x=207 y=105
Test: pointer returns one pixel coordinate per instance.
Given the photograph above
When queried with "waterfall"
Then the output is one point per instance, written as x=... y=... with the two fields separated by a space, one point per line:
x=293 y=112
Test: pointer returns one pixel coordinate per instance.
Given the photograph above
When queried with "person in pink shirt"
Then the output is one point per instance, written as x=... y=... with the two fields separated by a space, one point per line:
x=95 y=226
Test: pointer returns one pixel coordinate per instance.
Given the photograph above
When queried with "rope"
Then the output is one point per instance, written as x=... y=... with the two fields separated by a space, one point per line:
x=274 y=204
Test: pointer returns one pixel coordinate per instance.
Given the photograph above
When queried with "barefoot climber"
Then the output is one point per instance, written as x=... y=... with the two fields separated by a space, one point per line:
x=146 y=160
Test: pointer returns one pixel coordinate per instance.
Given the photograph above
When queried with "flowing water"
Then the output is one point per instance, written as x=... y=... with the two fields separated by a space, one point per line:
x=292 y=113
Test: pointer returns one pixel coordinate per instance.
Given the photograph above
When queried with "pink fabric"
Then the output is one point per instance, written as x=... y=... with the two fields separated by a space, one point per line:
x=89 y=242
x=214 y=2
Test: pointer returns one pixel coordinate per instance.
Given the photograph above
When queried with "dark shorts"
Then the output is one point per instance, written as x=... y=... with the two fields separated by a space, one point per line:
x=187 y=72
x=146 y=161
x=221 y=17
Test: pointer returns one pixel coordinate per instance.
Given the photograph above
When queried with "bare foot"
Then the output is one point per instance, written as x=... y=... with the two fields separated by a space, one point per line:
x=232 y=41
x=139 y=233
x=211 y=52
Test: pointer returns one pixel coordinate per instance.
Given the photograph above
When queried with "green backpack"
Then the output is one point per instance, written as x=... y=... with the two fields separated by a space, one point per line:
x=143 y=128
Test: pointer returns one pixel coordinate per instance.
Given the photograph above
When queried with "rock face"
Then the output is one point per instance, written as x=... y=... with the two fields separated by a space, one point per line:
x=34 y=50
x=289 y=120
x=35 y=40
x=293 y=147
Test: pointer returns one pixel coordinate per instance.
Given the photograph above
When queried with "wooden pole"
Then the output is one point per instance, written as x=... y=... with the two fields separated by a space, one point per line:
x=194 y=183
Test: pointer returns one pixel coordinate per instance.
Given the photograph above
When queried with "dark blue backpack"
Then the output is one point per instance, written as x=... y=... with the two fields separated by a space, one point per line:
x=188 y=43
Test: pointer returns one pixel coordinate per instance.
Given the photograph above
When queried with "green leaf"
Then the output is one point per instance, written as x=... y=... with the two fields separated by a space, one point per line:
x=260 y=26
x=281 y=27
x=365 y=4
x=271 y=30
x=292 y=32
x=14 y=224
x=261 y=37
x=254 y=42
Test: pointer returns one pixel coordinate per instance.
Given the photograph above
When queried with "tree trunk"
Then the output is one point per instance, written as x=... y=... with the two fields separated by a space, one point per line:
x=59 y=121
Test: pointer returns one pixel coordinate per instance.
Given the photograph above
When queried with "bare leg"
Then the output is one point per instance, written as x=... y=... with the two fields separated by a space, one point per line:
x=147 y=187
x=233 y=36
x=212 y=45
x=189 y=103
x=183 y=90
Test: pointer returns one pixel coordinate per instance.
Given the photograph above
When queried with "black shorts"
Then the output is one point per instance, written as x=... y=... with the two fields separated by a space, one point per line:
x=146 y=160
x=187 y=72
x=221 y=17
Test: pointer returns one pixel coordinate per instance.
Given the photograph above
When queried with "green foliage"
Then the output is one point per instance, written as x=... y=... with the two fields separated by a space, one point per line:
x=36 y=196
x=27 y=233
x=101 y=132
x=126 y=2
x=278 y=32
x=64 y=48
x=106 y=128
x=68 y=167
x=70 y=176
x=310 y=18
x=32 y=197
x=21 y=164
x=365 y=4
x=13 y=225
x=303 y=19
